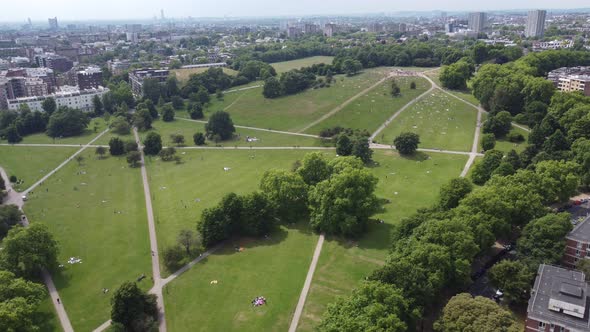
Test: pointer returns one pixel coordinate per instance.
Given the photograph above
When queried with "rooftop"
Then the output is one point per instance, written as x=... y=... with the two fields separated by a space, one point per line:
x=560 y=297
x=581 y=232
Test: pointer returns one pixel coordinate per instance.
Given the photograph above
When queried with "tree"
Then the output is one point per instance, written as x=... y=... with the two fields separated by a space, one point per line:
x=67 y=122
x=351 y=67
x=344 y=145
x=314 y=168
x=361 y=149
x=559 y=179
x=49 y=105
x=499 y=124
x=395 y=90
x=177 y=139
x=343 y=204
x=142 y=119
x=97 y=104
x=19 y=303
x=196 y=112
x=272 y=88
x=172 y=86
x=149 y=104
x=455 y=76
x=12 y=135
x=543 y=240
x=29 y=250
x=167 y=113
x=288 y=194
x=100 y=152
x=219 y=94
x=374 y=306
x=199 y=139
x=116 y=146
x=9 y=217
x=257 y=215
x=584 y=266
x=152 y=89
x=452 y=192
x=133 y=308
x=407 y=143
x=413 y=85
x=131 y=145
x=466 y=313
x=177 y=102
x=514 y=279
x=173 y=257
x=483 y=170
x=134 y=158
x=488 y=141
x=219 y=222
x=220 y=123
x=120 y=126
x=167 y=154
x=188 y=240
x=152 y=144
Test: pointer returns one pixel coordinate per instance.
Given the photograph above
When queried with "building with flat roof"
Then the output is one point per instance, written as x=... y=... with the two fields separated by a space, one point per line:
x=559 y=301
x=53 y=23
x=55 y=62
x=535 y=24
x=137 y=77
x=571 y=79
x=477 y=21
x=88 y=78
x=69 y=96
x=577 y=244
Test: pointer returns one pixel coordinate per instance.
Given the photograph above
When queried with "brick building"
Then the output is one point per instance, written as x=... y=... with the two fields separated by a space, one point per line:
x=137 y=77
x=559 y=301
x=88 y=78
x=577 y=244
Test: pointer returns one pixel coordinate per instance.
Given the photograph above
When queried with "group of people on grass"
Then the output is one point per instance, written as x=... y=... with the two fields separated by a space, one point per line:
x=258 y=301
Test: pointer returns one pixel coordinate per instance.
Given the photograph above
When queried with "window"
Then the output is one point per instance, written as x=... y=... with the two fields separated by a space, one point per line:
x=577 y=252
x=579 y=245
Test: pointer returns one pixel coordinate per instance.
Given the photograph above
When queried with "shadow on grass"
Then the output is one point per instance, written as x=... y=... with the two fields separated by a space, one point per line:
x=417 y=156
x=378 y=236
x=45 y=321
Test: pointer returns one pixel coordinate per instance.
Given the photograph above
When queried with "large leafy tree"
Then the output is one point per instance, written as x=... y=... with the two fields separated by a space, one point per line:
x=29 y=250
x=482 y=171
x=543 y=240
x=452 y=192
x=407 y=143
x=9 y=216
x=49 y=105
x=220 y=124
x=343 y=204
x=455 y=76
x=272 y=88
x=19 y=301
x=142 y=119
x=133 y=309
x=373 y=306
x=314 y=168
x=67 y=122
x=514 y=279
x=464 y=313
x=287 y=192
x=152 y=144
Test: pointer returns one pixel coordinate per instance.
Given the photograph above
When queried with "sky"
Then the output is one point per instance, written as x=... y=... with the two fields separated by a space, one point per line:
x=37 y=10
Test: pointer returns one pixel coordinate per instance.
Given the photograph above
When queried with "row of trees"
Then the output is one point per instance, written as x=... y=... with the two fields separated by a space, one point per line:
x=337 y=195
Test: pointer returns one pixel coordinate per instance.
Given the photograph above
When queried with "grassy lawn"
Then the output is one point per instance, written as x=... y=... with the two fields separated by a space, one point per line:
x=442 y=122
x=181 y=192
x=284 y=66
x=47 y=315
x=31 y=163
x=409 y=184
x=463 y=94
x=183 y=75
x=374 y=108
x=274 y=268
x=94 y=128
x=292 y=113
x=96 y=212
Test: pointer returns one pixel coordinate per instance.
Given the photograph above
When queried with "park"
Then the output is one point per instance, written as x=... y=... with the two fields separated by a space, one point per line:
x=118 y=220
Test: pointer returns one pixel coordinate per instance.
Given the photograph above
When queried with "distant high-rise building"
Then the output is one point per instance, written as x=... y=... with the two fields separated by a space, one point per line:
x=535 y=24
x=162 y=14
x=53 y=23
x=29 y=21
x=477 y=21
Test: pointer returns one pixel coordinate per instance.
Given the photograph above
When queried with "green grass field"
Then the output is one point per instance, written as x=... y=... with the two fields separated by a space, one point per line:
x=97 y=213
x=94 y=128
x=284 y=66
x=31 y=163
x=274 y=268
x=183 y=75
x=181 y=192
x=503 y=144
x=373 y=109
x=442 y=122
x=293 y=113
x=47 y=316
x=409 y=184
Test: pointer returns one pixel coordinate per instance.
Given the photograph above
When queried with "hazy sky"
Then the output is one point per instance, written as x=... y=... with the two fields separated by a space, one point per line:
x=19 y=10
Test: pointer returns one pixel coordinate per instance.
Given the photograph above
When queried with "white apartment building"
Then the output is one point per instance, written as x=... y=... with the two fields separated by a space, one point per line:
x=67 y=96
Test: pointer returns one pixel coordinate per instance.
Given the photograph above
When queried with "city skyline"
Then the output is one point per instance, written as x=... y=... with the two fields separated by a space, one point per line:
x=134 y=9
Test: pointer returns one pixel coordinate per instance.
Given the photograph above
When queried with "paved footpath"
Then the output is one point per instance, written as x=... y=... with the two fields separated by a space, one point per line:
x=157 y=289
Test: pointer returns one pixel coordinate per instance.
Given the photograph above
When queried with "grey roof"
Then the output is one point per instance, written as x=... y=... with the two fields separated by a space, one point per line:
x=564 y=285
x=581 y=232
